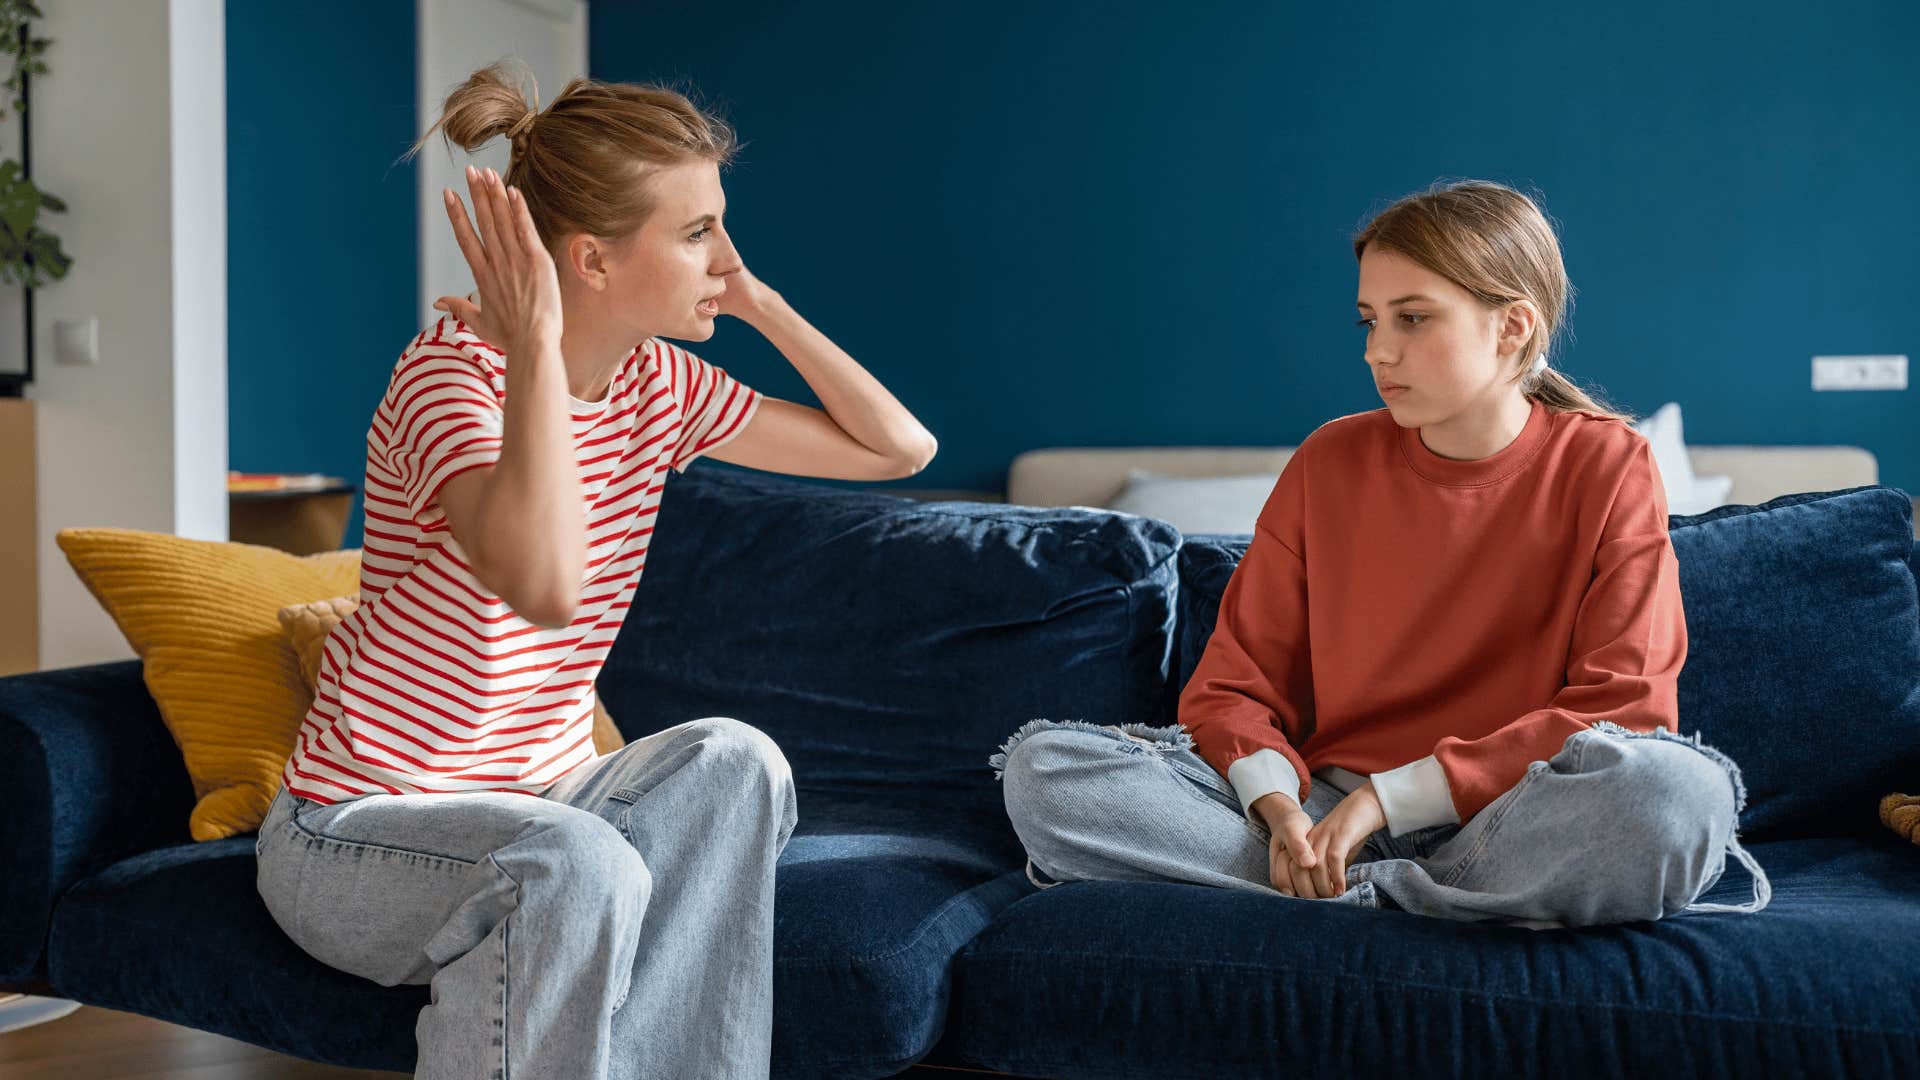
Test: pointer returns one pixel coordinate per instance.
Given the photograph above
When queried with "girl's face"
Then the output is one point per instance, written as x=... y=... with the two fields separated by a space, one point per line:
x=665 y=279
x=1452 y=353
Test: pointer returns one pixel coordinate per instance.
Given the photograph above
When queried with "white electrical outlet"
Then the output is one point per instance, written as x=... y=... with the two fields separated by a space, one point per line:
x=76 y=341
x=1859 y=373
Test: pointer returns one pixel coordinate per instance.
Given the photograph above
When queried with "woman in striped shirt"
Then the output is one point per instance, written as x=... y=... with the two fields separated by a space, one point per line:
x=443 y=818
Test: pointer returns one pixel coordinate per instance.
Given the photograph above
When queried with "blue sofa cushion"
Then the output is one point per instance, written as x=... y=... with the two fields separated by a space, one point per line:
x=873 y=897
x=1206 y=565
x=1126 y=979
x=1803 y=653
x=884 y=642
x=1803 y=648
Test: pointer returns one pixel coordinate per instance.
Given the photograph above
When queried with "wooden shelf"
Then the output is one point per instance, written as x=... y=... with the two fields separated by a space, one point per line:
x=302 y=522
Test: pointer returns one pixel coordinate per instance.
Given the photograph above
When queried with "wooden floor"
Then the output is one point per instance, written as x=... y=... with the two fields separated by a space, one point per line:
x=98 y=1044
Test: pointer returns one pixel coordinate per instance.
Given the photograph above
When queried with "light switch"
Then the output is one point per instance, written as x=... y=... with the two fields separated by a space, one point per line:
x=1859 y=373
x=76 y=341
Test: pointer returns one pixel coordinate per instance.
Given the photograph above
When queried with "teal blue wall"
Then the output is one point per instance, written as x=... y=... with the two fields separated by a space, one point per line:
x=321 y=230
x=1099 y=224
x=1058 y=225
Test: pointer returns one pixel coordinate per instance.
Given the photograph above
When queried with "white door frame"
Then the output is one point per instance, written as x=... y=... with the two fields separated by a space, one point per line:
x=456 y=38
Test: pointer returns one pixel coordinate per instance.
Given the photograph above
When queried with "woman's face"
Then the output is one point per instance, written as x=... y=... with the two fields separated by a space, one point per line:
x=663 y=280
x=1450 y=351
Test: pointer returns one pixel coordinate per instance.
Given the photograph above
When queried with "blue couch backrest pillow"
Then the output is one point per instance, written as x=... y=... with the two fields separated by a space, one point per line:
x=1803 y=648
x=887 y=642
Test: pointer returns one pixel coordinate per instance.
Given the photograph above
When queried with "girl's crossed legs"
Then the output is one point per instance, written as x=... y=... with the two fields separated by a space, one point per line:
x=1618 y=826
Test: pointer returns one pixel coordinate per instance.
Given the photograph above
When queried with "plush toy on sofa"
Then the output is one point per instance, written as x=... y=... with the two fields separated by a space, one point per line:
x=1901 y=813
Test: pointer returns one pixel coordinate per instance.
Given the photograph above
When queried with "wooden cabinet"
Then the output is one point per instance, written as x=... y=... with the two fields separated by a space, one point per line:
x=19 y=539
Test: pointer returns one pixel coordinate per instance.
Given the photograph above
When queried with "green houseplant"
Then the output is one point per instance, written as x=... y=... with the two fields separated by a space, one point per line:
x=29 y=254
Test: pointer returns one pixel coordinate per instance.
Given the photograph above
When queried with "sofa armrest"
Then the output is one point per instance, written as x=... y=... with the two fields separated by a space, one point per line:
x=88 y=776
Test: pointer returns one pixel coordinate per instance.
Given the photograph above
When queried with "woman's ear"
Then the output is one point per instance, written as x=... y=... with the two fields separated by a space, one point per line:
x=585 y=261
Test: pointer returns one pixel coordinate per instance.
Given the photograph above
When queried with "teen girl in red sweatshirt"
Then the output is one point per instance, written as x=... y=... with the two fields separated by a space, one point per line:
x=1443 y=676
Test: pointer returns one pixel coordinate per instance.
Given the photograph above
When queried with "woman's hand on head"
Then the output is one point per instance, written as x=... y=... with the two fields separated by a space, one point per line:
x=519 y=307
x=746 y=296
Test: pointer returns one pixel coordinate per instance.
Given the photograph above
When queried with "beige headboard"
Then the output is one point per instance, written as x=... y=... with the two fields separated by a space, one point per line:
x=1092 y=477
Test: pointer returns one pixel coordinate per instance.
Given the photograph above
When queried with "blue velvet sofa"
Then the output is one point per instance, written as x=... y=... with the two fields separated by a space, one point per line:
x=890 y=645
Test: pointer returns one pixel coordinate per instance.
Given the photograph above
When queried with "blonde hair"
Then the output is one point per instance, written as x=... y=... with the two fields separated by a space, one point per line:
x=1497 y=244
x=582 y=163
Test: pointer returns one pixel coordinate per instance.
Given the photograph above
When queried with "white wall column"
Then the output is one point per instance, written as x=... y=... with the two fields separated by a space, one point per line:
x=197 y=49
x=129 y=127
x=455 y=39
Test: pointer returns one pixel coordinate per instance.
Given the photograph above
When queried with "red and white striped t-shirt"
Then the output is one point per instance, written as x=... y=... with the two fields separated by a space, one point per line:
x=433 y=684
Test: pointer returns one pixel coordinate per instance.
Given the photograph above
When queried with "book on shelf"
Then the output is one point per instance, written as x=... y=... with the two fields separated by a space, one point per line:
x=245 y=481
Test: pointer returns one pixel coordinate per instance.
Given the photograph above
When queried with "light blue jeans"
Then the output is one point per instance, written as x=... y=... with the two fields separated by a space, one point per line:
x=621 y=925
x=1619 y=826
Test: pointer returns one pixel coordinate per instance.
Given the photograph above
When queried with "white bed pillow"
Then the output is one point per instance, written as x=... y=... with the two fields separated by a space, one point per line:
x=1196 y=504
x=1230 y=504
x=1686 y=493
x=1708 y=492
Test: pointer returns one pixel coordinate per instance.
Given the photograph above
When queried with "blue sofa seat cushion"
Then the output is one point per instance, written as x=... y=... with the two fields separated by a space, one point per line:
x=180 y=933
x=1803 y=649
x=874 y=896
x=1129 y=979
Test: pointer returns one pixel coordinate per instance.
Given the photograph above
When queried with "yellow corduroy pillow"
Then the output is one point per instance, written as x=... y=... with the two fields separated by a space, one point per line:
x=307 y=627
x=230 y=636
x=203 y=617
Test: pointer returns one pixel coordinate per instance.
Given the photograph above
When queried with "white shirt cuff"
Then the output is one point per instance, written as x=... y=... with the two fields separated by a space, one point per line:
x=1261 y=773
x=1415 y=796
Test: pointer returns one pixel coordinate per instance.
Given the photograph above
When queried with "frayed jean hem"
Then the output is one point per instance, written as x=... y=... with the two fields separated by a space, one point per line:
x=1172 y=737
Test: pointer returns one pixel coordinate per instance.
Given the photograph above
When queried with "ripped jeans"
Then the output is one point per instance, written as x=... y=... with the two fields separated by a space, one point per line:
x=1619 y=826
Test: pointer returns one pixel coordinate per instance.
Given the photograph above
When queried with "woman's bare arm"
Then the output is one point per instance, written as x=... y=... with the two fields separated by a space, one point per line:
x=521 y=520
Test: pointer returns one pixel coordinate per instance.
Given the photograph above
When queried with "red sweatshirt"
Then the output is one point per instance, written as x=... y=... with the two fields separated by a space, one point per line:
x=1439 y=624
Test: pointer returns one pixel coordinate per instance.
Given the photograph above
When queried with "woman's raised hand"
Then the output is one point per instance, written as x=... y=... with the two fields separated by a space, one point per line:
x=519 y=307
